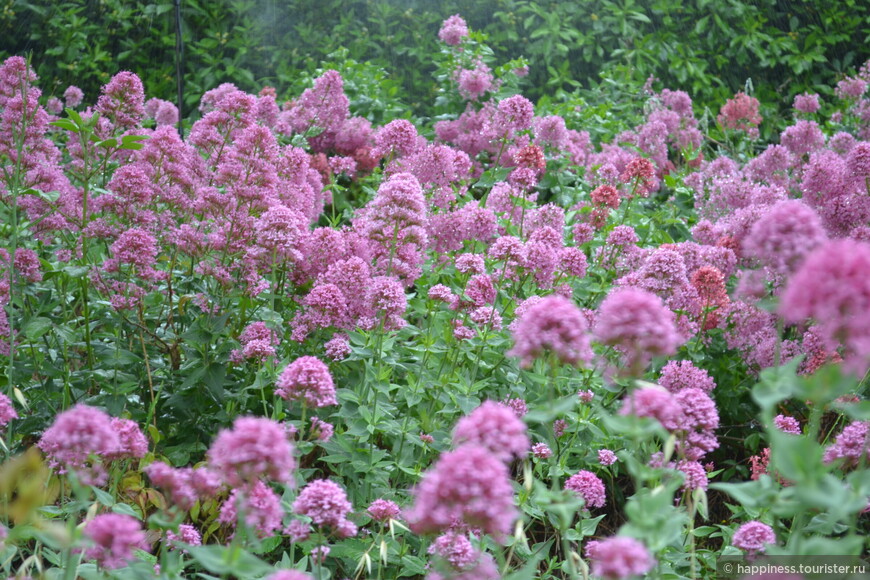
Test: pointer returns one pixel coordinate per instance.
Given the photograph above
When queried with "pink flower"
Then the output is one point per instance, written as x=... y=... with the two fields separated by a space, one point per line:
x=588 y=486
x=697 y=424
x=788 y=425
x=254 y=448
x=187 y=534
x=289 y=575
x=495 y=427
x=606 y=457
x=115 y=538
x=7 y=411
x=456 y=549
x=474 y=83
x=123 y=100
x=753 y=536
x=453 y=30
x=77 y=440
x=260 y=507
x=307 y=379
x=325 y=502
x=696 y=475
x=619 y=557
x=73 y=96
x=585 y=396
x=741 y=113
x=832 y=287
x=542 y=451
x=133 y=442
x=135 y=247
x=518 y=406
x=338 y=347
x=806 y=103
x=683 y=374
x=637 y=323
x=783 y=237
x=850 y=445
x=515 y=113
x=321 y=430
x=653 y=402
x=397 y=138
x=552 y=324
x=383 y=510
x=470 y=486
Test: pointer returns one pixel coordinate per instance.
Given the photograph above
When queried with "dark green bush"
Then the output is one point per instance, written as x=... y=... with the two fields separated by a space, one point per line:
x=707 y=47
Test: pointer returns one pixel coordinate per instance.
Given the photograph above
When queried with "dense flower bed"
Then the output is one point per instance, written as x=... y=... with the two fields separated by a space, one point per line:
x=295 y=344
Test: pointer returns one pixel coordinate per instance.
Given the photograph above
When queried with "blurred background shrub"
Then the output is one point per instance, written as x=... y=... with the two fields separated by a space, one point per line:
x=708 y=48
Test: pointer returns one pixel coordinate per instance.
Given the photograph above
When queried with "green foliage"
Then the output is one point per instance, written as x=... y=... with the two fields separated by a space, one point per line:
x=705 y=47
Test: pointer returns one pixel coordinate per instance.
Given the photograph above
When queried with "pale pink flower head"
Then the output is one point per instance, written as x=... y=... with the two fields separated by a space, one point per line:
x=325 y=502
x=619 y=557
x=585 y=396
x=850 y=445
x=495 y=427
x=54 y=106
x=133 y=442
x=281 y=230
x=338 y=347
x=806 y=103
x=73 y=96
x=803 y=138
x=542 y=451
x=136 y=247
x=637 y=323
x=656 y=403
x=115 y=538
x=383 y=510
x=695 y=475
x=321 y=430
x=453 y=30
x=606 y=457
x=474 y=83
x=123 y=100
x=77 y=441
x=858 y=162
x=589 y=487
x=260 y=507
x=516 y=113
x=753 y=537
x=397 y=138
x=7 y=411
x=683 y=374
x=289 y=575
x=187 y=534
x=254 y=448
x=698 y=422
x=832 y=287
x=456 y=549
x=851 y=88
x=787 y=424
x=552 y=324
x=470 y=486
x=307 y=379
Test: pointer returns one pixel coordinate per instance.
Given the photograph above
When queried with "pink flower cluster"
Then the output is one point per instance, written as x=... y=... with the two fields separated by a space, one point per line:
x=469 y=486
x=83 y=438
x=308 y=380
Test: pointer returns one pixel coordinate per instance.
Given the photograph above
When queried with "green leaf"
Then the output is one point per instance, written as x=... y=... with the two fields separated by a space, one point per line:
x=229 y=561
x=37 y=327
x=103 y=497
